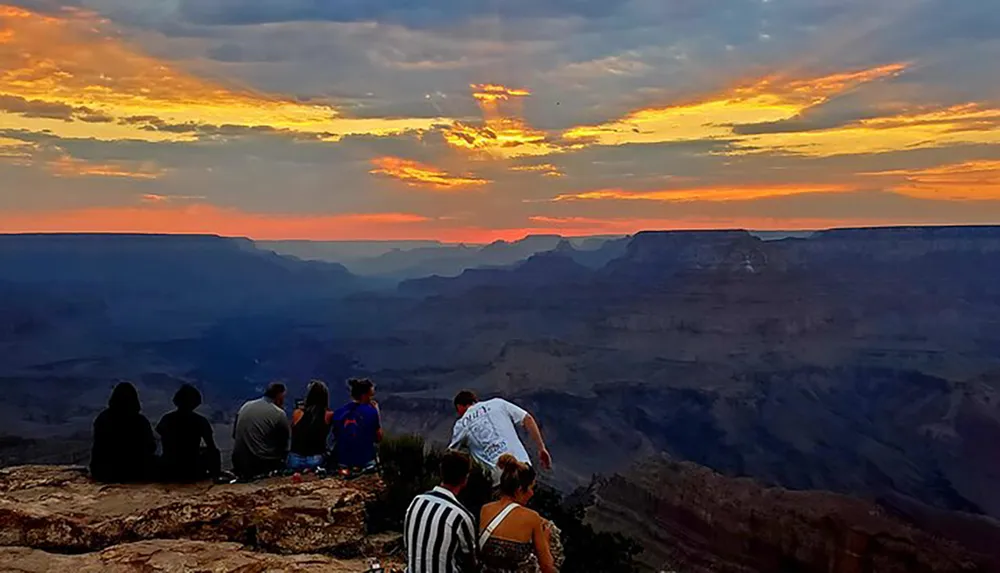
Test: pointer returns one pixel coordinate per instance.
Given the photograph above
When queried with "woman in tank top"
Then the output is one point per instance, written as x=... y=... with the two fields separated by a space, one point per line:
x=513 y=538
x=311 y=429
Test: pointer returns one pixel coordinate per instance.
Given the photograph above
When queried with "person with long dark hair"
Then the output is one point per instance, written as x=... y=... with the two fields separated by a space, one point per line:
x=311 y=429
x=124 y=447
x=182 y=432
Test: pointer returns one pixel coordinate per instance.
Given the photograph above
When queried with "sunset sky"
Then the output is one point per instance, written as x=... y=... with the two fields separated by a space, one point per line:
x=475 y=120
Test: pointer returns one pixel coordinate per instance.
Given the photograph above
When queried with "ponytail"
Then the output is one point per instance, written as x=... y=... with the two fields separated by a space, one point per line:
x=517 y=476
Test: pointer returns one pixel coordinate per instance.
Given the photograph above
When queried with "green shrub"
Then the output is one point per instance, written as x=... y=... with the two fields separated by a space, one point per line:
x=408 y=469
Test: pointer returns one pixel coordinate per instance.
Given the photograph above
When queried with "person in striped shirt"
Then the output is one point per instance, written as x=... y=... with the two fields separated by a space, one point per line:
x=439 y=532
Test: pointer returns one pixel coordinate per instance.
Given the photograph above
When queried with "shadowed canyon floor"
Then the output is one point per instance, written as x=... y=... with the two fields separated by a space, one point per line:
x=693 y=520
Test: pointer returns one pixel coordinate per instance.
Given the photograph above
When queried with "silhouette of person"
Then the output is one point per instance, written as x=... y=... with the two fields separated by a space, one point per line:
x=182 y=433
x=124 y=447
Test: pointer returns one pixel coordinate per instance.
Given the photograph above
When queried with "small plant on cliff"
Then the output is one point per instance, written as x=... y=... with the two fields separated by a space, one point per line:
x=408 y=469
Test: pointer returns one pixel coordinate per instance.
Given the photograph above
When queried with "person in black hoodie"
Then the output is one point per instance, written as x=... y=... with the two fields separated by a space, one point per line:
x=124 y=447
x=311 y=429
x=182 y=432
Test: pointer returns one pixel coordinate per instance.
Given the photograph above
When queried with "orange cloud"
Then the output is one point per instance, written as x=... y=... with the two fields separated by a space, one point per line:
x=710 y=194
x=546 y=169
x=416 y=174
x=769 y=99
x=66 y=166
x=15 y=148
x=162 y=199
x=966 y=181
x=923 y=129
x=489 y=94
x=503 y=134
x=75 y=60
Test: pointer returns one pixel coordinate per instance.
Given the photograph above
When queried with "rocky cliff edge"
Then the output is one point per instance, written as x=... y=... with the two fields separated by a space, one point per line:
x=56 y=519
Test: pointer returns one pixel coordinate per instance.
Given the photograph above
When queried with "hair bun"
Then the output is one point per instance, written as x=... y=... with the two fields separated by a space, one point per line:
x=508 y=461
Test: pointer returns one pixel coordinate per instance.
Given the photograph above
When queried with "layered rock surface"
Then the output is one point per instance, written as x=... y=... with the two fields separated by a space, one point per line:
x=172 y=556
x=59 y=510
x=694 y=520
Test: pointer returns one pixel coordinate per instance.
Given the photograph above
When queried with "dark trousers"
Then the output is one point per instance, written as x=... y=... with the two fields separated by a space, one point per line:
x=248 y=466
x=207 y=464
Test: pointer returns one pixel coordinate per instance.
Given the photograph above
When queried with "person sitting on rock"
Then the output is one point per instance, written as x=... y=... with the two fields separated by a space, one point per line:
x=439 y=533
x=260 y=435
x=357 y=428
x=124 y=447
x=182 y=433
x=513 y=538
x=311 y=429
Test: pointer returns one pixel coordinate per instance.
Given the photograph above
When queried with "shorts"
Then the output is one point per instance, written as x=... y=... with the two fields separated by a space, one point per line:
x=298 y=463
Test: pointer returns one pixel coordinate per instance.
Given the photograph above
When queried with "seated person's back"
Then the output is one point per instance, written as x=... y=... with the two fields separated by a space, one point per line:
x=357 y=427
x=311 y=429
x=513 y=538
x=261 y=434
x=182 y=433
x=124 y=447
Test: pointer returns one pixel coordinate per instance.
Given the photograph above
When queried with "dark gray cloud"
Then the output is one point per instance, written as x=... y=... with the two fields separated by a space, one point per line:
x=51 y=110
x=425 y=14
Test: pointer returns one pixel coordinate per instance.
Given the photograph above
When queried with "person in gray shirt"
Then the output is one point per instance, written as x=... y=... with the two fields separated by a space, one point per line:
x=261 y=433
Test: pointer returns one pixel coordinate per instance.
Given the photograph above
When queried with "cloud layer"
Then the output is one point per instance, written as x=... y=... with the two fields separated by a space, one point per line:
x=469 y=121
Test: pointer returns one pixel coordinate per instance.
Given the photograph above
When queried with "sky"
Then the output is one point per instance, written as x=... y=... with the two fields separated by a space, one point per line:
x=477 y=120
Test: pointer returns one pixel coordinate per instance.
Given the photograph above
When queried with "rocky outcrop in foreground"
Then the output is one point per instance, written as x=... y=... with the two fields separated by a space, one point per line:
x=48 y=510
x=171 y=556
x=694 y=520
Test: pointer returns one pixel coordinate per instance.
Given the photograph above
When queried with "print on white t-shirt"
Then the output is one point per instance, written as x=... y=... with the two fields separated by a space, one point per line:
x=489 y=430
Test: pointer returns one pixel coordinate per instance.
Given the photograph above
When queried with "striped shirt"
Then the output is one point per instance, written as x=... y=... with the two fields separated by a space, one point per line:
x=439 y=534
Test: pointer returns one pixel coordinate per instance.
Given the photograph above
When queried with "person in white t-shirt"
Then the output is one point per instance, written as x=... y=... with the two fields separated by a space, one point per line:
x=489 y=430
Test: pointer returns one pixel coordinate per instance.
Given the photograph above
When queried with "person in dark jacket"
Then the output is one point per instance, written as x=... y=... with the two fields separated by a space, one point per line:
x=182 y=433
x=311 y=429
x=124 y=447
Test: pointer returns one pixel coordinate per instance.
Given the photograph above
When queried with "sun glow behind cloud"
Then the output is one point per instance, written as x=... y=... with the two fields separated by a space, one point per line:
x=768 y=99
x=503 y=134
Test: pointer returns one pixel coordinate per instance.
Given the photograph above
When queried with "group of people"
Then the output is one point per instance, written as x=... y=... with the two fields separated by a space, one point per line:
x=457 y=527
x=498 y=533
x=265 y=440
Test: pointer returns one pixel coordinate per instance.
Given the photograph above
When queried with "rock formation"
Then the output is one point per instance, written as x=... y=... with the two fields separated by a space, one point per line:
x=694 y=520
x=171 y=556
x=55 y=509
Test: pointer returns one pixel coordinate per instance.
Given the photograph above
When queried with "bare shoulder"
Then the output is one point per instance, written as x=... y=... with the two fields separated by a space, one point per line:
x=529 y=515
